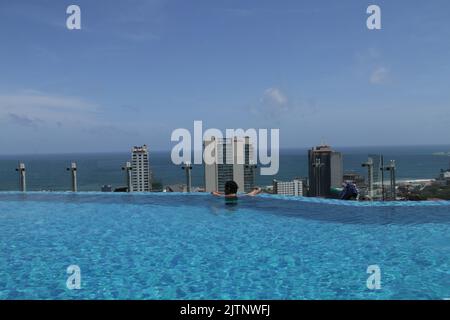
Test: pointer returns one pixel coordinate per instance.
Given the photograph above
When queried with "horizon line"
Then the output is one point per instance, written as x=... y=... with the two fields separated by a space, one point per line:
x=303 y=148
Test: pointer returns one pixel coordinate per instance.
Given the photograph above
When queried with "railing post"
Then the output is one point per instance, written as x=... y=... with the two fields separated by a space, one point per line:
x=187 y=167
x=128 y=170
x=369 y=165
x=22 y=176
x=73 y=171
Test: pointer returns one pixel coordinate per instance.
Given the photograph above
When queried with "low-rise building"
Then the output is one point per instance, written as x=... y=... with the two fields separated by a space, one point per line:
x=289 y=188
x=354 y=177
x=107 y=188
x=444 y=178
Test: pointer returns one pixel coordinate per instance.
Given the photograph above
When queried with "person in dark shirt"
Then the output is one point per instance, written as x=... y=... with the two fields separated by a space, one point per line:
x=350 y=192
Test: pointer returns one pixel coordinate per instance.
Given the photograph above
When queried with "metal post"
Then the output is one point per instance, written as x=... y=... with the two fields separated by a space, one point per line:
x=393 y=182
x=128 y=170
x=73 y=171
x=187 y=167
x=318 y=191
x=392 y=189
x=22 y=177
x=382 y=178
x=369 y=165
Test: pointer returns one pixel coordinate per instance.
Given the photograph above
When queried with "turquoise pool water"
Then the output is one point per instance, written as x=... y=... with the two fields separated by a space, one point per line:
x=173 y=246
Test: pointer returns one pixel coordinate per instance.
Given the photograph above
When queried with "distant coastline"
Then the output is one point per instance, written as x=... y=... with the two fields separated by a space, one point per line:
x=443 y=154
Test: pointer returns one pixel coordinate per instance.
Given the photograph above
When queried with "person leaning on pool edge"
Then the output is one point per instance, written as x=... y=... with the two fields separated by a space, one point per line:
x=231 y=189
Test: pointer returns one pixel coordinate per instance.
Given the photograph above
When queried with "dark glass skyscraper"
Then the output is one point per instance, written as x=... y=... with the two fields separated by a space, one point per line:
x=325 y=171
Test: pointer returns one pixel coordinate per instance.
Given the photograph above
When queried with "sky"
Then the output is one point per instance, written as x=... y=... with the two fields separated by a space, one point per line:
x=139 y=69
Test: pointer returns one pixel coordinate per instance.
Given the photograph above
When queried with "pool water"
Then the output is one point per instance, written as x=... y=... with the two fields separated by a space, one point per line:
x=175 y=246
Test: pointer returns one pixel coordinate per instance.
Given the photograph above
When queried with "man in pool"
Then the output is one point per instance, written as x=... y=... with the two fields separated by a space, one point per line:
x=231 y=189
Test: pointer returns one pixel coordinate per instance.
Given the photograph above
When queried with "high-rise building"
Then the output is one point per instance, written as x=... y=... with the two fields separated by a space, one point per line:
x=233 y=160
x=140 y=170
x=325 y=170
x=288 y=188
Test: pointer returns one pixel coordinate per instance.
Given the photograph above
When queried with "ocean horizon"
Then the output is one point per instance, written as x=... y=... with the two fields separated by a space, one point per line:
x=48 y=171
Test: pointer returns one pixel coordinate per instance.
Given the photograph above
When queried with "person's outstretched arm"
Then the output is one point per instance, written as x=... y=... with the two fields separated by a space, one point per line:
x=217 y=193
x=254 y=192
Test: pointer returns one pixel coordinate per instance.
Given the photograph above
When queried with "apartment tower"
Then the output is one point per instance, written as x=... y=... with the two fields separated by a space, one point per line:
x=140 y=170
x=232 y=160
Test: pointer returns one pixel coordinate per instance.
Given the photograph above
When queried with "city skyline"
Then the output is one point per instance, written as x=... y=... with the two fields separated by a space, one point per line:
x=205 y=152
x=146 y=68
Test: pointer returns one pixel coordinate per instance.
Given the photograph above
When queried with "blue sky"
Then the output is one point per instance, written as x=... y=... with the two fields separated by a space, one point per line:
x=140 y=69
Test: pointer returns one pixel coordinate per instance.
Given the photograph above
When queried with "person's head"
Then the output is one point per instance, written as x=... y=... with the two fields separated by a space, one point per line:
x=231 y=187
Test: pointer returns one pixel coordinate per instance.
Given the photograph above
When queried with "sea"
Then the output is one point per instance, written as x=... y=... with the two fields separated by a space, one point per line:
x=49 y=172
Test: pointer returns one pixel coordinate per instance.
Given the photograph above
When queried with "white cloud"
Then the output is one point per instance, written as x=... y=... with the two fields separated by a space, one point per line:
x=44 y=122
x=31 y=104
x=276 y=106
x=274 y=97
x=379 y=76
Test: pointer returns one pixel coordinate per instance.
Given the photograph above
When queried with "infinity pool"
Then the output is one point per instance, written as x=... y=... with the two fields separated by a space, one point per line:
x=174 y=246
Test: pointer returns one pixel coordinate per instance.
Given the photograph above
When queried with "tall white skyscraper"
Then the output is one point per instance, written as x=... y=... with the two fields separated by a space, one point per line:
x=233 y=160
x=140 y=170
